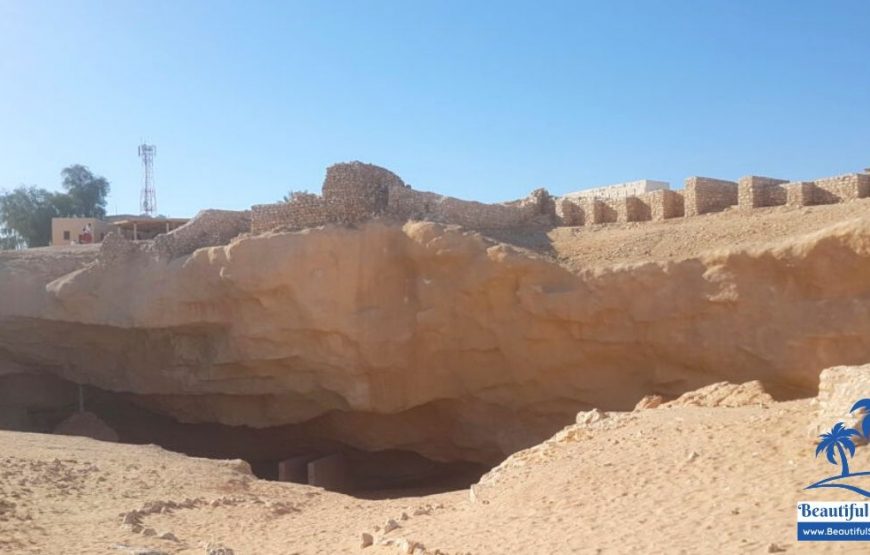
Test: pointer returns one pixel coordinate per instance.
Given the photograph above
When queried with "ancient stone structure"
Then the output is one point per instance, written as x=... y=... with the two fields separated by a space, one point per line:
x=756 y=192
x=207 y=229
x=622 y=190
x=665 y=204
x=303 y=210
x=841 y=188
x=704 y=195
x=355 y=192
x=799 y=193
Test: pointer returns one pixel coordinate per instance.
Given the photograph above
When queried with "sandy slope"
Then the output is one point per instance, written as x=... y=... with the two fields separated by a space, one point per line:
x=666 y=480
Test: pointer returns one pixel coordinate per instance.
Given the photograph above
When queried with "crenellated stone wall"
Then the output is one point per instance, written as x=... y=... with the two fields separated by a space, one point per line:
x=799 y=193
x=704 y=195
x=665 y=204
x=757 y=192
x=355 y=192
x=841 y=188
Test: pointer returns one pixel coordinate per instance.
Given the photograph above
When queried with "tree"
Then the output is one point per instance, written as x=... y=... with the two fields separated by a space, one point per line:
x=87 y=192
x=837 y=438
x=26 y=212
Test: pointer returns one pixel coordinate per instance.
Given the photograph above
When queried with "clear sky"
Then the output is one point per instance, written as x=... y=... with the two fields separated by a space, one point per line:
x=247 y=100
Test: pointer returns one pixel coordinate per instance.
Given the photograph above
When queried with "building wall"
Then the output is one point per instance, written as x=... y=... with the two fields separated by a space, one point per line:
x=73 y=227
x=756 y=192
x=665 y=204
x=841 y=188
x=304 y=210
x=703 y=195
x=208 y=228
x=622 y=190
x=356 y=192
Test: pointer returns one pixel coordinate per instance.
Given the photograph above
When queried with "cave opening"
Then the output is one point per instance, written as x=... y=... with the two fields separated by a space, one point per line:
x=43 y=403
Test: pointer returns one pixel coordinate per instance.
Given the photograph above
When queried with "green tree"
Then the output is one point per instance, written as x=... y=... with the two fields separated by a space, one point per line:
x=87 y=192
x=26 y=212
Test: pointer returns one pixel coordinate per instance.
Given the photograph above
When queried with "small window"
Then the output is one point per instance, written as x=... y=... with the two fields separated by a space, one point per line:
x=66 y=235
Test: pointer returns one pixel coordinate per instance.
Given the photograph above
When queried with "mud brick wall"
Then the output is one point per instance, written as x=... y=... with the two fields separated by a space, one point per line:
x=665 y=204
x=841 y=188
x=304 y=210
x=756 y=192
x=704 y=195
x=799 y=193
x=208 y=228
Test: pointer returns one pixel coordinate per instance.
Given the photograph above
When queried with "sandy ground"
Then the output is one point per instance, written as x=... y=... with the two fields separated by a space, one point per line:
x=666 y=480
x=593 y=246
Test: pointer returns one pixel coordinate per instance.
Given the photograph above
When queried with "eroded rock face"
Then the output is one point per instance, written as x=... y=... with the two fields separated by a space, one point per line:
x=428 y=338
x=840 y=388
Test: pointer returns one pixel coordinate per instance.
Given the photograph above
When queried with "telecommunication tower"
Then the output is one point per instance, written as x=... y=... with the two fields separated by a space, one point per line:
x=148 y=197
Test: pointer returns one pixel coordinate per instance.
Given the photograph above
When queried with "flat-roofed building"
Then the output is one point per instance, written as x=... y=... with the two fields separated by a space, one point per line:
x=74 y=231
x=621 y=190
x=141 y=228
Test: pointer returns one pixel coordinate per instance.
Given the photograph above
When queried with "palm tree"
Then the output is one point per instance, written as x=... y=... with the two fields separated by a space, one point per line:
x=837 y=438
x=864 y=404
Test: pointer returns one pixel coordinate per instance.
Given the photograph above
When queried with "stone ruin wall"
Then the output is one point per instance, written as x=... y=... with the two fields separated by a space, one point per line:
x=209 y=228
x=704 y=195
x=303 y=210
x=356 y=192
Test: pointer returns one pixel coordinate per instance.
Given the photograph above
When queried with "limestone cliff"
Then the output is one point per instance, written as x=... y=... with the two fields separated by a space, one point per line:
x=431 y=338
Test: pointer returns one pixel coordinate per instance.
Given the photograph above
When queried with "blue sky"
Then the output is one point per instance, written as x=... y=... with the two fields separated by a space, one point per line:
x=480 y=100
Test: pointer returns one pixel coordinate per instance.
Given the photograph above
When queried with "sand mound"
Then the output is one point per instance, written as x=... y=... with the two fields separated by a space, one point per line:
x=86 y=424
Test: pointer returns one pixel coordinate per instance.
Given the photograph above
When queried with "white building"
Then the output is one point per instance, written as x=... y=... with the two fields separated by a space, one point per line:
x=622 y=190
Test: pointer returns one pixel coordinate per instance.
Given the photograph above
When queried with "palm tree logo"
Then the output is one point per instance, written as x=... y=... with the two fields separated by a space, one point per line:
x=836 y=439
x=836 y=444
x=864 y=406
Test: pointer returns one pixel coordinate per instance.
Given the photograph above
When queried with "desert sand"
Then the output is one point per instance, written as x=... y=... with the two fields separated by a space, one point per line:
x=674 y=479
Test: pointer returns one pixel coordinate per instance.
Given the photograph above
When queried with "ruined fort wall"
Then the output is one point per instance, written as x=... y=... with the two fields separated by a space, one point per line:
x=757 y=192
x=303 y=210
x=841 y=188
x=356 y=192
x=799 y=193
x=208 y=228
x=665 y=204
x=703 y=195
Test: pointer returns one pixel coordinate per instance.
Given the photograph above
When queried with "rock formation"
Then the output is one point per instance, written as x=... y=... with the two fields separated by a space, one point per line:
x=429 y=338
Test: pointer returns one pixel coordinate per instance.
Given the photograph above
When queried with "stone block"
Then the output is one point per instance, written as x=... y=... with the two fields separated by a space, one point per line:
x=757 y=192
x=799 y=193
x=704 y=195
x=665 y=204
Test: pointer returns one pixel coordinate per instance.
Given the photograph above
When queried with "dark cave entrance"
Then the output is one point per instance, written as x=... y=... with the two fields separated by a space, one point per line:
x=39 y=403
